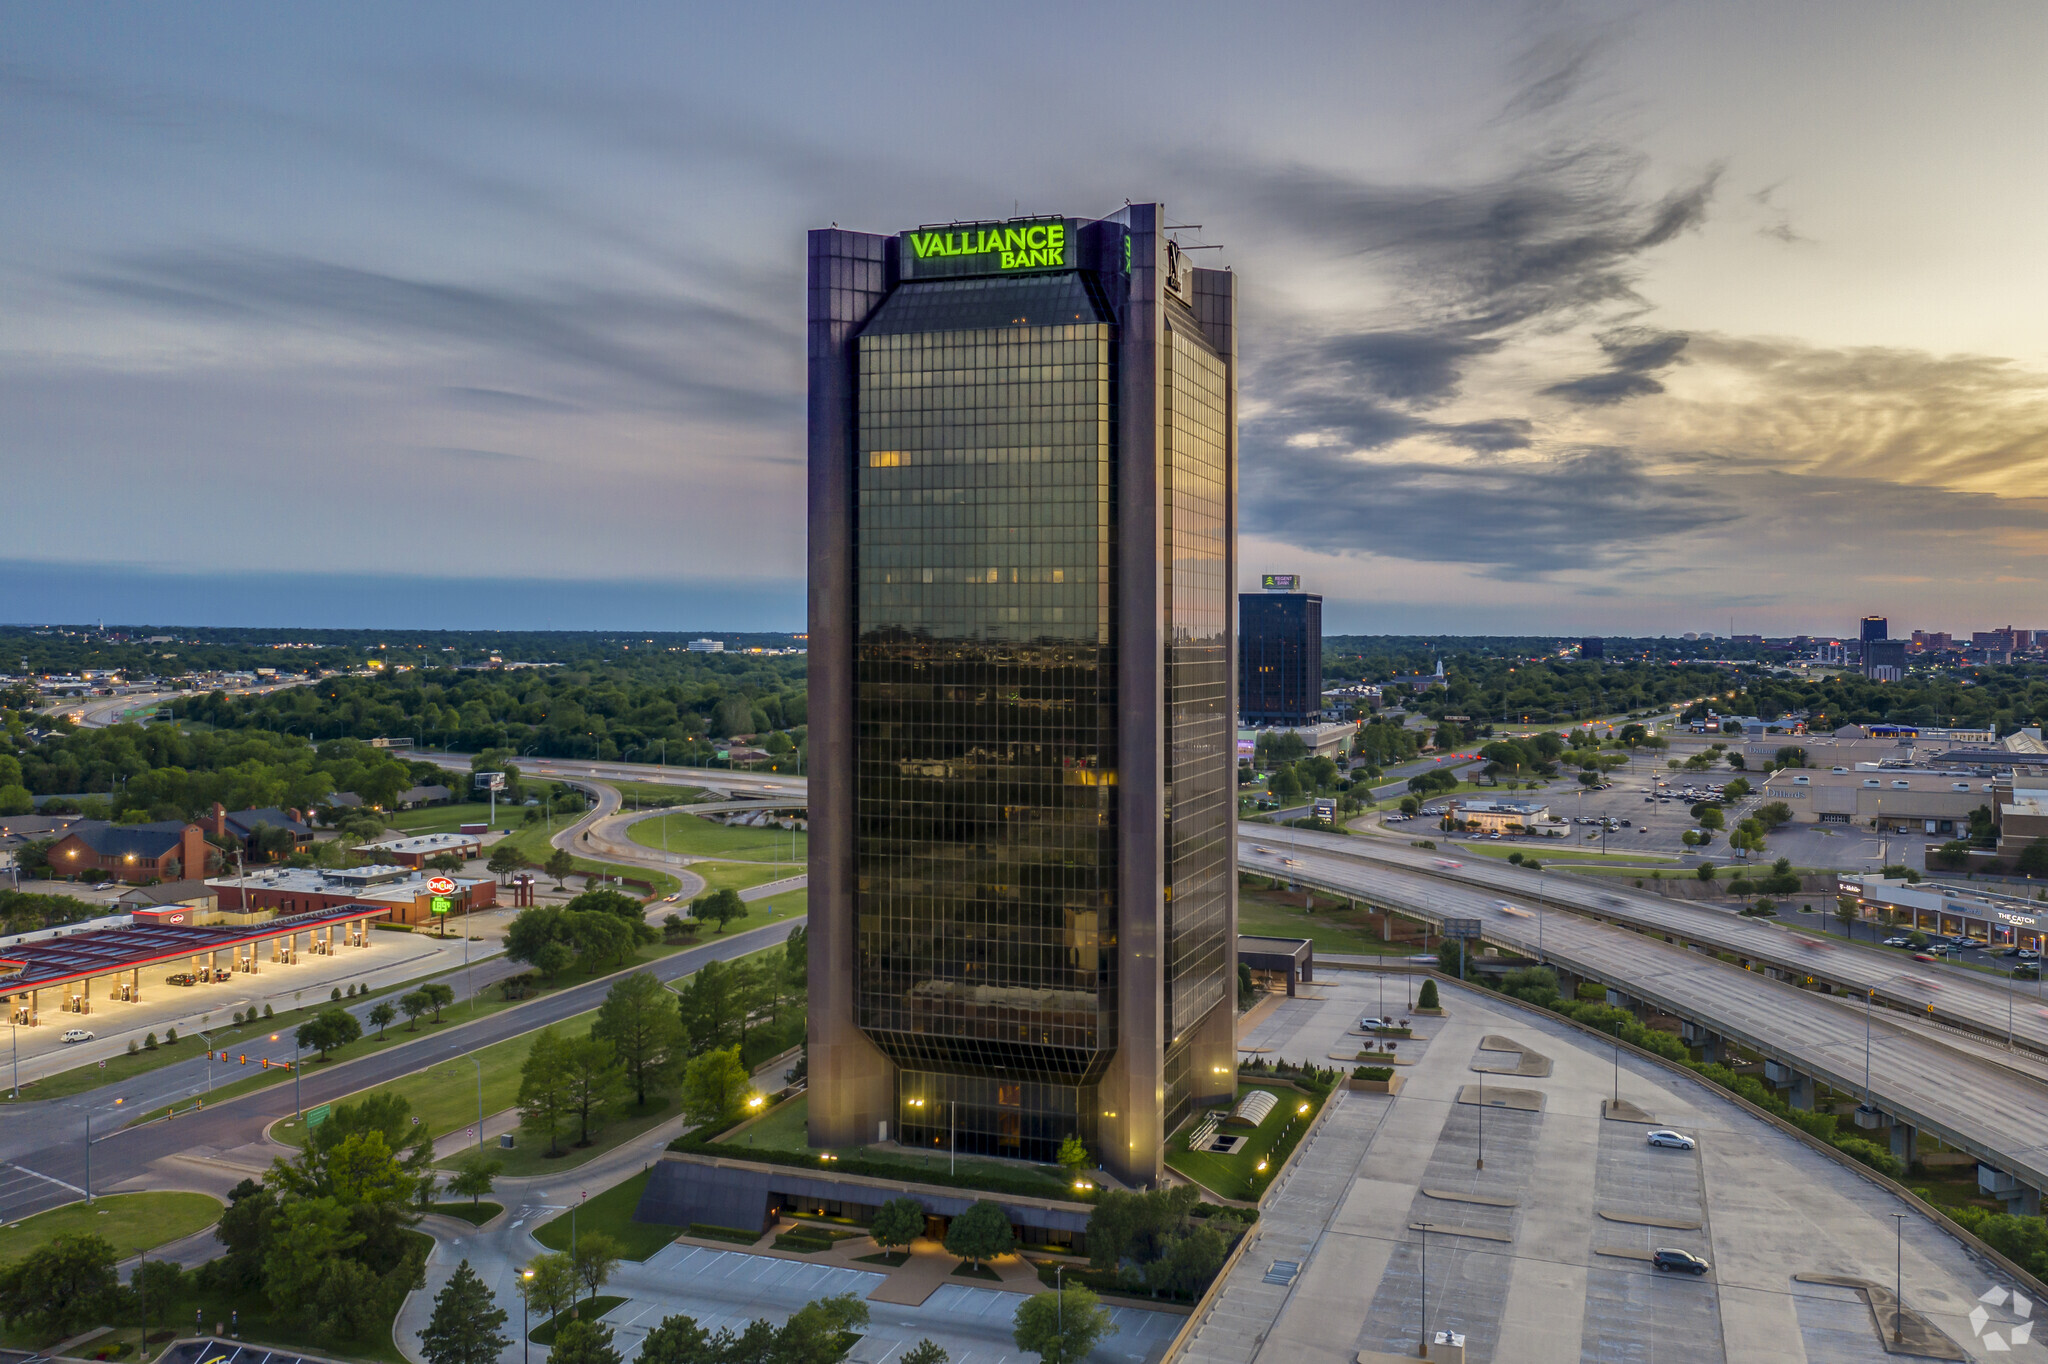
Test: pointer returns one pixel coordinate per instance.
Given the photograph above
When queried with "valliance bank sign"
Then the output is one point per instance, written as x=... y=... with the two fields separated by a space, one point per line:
x=1015 y=247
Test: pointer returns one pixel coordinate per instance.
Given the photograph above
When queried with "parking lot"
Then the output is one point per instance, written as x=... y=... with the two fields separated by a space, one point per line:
x=1541 y=1255
x=1658 y=812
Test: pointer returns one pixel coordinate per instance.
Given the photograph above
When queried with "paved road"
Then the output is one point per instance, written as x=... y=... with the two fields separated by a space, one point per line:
x=45 y=1162
x=710 y=778
x=1984 y=1106
x=1944 y=993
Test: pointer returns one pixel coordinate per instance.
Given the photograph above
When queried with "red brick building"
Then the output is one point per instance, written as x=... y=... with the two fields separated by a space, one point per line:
x=169 y=851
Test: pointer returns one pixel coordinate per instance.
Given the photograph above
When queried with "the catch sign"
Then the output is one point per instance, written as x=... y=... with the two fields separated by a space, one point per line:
x=1019 y=246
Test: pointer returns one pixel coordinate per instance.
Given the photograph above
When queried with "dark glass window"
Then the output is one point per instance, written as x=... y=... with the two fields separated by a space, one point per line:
x=986 y=708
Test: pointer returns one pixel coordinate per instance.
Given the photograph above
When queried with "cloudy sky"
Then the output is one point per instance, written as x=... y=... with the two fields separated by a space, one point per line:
x=1559 y=317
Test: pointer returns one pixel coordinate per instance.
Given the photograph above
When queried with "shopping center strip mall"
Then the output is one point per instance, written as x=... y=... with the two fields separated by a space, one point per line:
x=263 y=917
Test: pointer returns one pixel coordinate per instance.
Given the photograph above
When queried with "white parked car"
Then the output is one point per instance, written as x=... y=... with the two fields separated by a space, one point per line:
x=1678 y=1141
x=1368 y=1023
x=77 y=1035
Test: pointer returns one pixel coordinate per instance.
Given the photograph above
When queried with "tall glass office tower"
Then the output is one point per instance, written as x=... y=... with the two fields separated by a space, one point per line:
x=1022 y=548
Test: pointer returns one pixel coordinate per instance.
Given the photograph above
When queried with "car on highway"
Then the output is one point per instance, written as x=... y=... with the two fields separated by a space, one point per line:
x=1679 y=1261
x=1677 y=1141
x=77 y=1035
x=1290 y=862
x=1257 y=849
x=1898 y=942
x=1925 y=956
x=1448 y=864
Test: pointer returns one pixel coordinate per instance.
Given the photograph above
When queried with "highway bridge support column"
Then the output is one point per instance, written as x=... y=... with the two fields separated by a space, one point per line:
x=1905 y=1142
x=1801 y=1093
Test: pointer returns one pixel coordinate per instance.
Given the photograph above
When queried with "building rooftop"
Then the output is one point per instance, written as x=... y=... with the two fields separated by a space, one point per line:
x=421 y=843
x=368 y=883
x=129 y=840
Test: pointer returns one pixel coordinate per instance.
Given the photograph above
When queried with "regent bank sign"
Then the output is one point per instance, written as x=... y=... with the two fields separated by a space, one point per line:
x=1020 y=246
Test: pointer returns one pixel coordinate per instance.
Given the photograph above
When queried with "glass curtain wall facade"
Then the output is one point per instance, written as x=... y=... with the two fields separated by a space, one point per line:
x=1201 y=735
x=986 y=714
x=1020 y=598
x=1280 y=658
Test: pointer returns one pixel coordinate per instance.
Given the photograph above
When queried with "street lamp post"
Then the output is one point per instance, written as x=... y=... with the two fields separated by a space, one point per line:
x=88 y=1155
x=1423 y=1342
x=478 y=1061
x=1059 y=1297
x=525 y=1298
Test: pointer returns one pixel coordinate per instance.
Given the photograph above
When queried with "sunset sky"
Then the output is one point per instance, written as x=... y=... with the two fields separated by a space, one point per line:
x=1561 y=318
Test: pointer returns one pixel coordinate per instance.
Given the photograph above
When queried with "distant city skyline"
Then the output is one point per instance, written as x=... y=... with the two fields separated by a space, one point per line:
x=1551 y=325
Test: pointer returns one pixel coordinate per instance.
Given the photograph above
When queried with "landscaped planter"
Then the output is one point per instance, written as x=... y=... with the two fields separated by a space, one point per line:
x=1390 y=1085
x=1428 y=1013
x=1401 y=1032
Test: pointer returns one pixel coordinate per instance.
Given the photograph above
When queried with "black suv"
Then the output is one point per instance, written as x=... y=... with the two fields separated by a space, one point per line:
x=1679 y=1260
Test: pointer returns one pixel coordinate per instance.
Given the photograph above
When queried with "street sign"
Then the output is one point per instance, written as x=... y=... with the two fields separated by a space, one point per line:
x=440 y=885
x=318 y=1114
x=1461 y=928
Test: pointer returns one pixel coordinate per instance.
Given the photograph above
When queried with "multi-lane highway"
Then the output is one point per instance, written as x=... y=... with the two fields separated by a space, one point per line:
x=1984 y=1107
x=42 y=1146
x=1962 y=998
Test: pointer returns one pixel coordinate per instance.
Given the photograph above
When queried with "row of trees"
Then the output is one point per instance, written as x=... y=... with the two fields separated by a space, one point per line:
x=683 y=702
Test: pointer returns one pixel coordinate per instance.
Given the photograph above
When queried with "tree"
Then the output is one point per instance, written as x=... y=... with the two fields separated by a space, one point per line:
x=559 y=864
x=678 y=1340
x=720 y=907
x=715 y=1087
x=602 y=940
x=2033 y=859
x=157 y=1283
x=926 y=1351
x=1847 y=911
x=446 y=861
x=1062 y=1327
x=898 y=1222
x=464 y=1327
x=640 y=1021
x=550 y=1284
x=544 y=1095
x=981 y=1233
x=1425 y=998
x=593 y=1079
x=328 y=1029
x=63 y=1287
x=505 y=859
x=706 y=1005
x=417 y=1004
x=1705 y=871
x=583 y=1342
x=474 y=1175
x=438 y=995
x=381 y=1015
x=595 y=1256
x=816 y=1332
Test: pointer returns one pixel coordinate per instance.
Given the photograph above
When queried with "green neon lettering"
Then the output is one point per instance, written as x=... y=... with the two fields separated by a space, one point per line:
x=1034 y=237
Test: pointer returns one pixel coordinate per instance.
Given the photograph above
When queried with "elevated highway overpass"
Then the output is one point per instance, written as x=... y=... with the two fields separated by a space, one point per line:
x=1918 y=1084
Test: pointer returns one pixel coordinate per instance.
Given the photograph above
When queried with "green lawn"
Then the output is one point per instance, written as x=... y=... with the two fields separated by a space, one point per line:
x=649 y=792
x=130 y=1222
x=530 y=1156
x=699 y=836
x=611 y=1212
x=1239 y=1176
x=743 y=875
x=532 y=841
x=444 y=1096
x=445 y=819
x=476 y=1214
x=1332 y=928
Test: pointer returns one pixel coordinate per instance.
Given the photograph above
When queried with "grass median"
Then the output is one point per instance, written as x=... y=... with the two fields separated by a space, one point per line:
x=531 y=842
x=611 y=1212
x=131 y=1223
x=701 y=836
